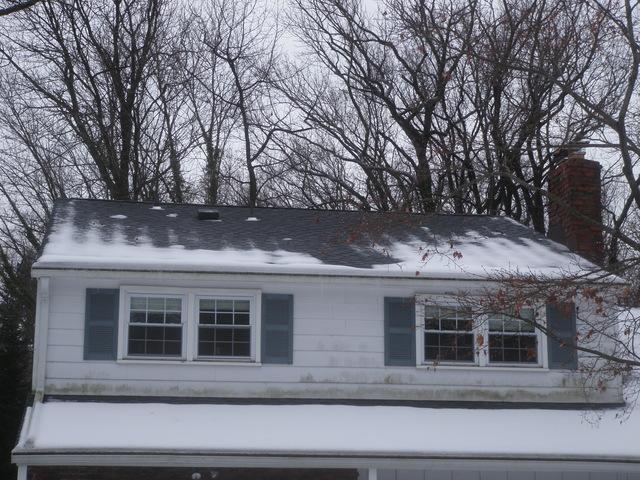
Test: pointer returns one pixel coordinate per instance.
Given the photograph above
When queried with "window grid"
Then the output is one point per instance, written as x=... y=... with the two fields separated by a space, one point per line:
x=224 y=328
x=448 y=335
x=513 y=340
x=155 y=326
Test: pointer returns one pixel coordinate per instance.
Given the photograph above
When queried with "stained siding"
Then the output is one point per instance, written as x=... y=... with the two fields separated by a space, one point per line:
x=338 y=351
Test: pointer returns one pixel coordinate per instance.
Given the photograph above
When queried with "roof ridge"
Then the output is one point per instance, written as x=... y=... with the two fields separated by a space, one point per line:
x=329 y=210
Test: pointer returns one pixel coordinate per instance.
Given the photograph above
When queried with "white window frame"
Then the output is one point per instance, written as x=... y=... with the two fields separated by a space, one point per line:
x=190 y=310
x=421 y=303
x=480 y=327
x=253 y=331
x=542 y=353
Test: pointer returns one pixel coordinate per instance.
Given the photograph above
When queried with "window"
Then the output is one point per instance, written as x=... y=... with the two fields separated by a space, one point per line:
x=155 y=326
x=224 y=328
x=189 y=324
x=451 y=334
x=448 y=334
x=513 y=339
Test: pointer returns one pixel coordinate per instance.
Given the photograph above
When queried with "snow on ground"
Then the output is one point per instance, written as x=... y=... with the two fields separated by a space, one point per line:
x=331 y=430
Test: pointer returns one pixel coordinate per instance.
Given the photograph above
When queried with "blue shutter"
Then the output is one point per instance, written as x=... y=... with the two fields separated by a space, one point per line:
x=399 y=331
x=101 y=324
x=561 y=321
x=277 y=328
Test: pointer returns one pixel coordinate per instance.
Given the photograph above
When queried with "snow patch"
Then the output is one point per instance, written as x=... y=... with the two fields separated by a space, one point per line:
x=118 y=216
x=331 y=430
x=252 y=219
x=172 y=215
x=156 y=207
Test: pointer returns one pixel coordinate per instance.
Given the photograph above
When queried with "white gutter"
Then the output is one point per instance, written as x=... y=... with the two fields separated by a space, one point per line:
x=284 y=460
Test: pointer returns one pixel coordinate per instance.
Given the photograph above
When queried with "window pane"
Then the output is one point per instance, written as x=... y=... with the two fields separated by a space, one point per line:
x=448 y=313
x=154 y=348
x=432 y=339
x=241 y=335
x=136 y=347
x=432 y=323
x=207 y=318
x=174 y=304
x=208 y=305
x=527 y=326
x=511 y=325
x=465 y=325
x=448 y=324
x=465 y=354
x=511 y=355
x=241 y=349
x=224 y=305
x=242 y=319
x=206 y=349
x=224 y=318
x=206 y=334
x=138 y=317
x=173 y=317
x=495 y=324
x=137 y=333
x=513 y=348
x=155 y=317
x=138 y=303
x=156 y=303
x=224 y=349
x=242 y=306
x=224 y=334
x=172 y=348
x=154 y=333
x=172 y=333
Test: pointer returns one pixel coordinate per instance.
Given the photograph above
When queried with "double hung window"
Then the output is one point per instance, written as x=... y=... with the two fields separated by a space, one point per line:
x=189 y=324
x=224 y=328
x=450 y=334
x=513 y=339
x=155 y=326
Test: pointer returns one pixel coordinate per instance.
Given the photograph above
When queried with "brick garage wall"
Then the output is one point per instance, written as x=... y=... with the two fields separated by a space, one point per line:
x=575 y=196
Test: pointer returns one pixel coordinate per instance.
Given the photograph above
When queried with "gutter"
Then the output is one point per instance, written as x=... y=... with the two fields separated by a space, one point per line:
x=382 y=460
x=39 y=271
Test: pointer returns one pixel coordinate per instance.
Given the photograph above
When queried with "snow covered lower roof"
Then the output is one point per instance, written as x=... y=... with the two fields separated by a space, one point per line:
x=141 y=236
x=327 y=430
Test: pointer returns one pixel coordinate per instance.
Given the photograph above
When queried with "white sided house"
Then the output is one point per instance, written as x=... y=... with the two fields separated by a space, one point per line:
x=185 y=342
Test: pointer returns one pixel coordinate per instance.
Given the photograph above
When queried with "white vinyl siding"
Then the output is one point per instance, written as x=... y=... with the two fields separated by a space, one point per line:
x=338 y=348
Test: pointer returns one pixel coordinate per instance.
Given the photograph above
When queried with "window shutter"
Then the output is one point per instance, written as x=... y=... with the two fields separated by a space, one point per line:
x=101 y=324
x=277 y=328
x=399 y=331
x=561 y=321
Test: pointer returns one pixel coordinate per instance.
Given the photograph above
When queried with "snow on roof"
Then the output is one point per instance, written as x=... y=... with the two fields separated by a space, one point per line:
x=134 y=236
x=331 y=430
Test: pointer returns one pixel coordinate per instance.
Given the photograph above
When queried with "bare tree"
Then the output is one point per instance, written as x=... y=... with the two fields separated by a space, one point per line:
x=18 y=6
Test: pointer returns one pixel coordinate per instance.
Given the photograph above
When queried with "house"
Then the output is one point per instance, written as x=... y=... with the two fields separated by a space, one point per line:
x=187 y=342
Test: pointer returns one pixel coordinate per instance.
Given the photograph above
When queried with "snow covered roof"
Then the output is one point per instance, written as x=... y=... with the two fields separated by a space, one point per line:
x=72 y=427
x=141 y=236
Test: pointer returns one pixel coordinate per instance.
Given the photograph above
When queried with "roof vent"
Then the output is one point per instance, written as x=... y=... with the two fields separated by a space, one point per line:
x=208 y=214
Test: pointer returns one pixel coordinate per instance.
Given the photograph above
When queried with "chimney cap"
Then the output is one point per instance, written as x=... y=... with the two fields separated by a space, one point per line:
x=208 y=214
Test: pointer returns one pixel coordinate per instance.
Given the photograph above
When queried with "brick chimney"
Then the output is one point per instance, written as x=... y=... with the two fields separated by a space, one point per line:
x=574 y=198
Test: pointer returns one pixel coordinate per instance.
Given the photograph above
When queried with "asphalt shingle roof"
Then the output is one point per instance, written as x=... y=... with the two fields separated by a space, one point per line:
x=356 y=240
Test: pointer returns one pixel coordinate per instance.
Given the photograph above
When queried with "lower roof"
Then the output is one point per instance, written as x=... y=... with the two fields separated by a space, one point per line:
x=73 y=428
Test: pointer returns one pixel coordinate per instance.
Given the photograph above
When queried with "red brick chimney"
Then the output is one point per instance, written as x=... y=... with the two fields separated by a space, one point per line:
x=574 y=199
